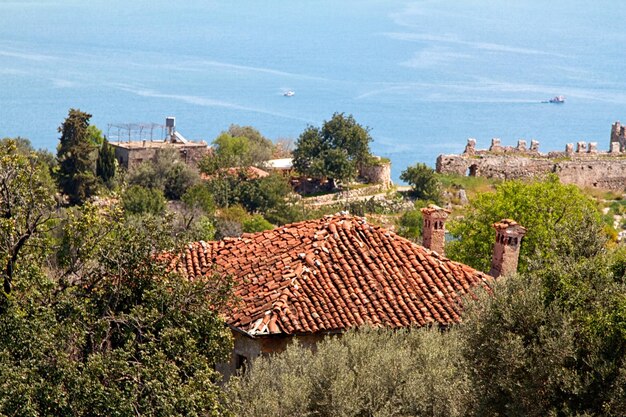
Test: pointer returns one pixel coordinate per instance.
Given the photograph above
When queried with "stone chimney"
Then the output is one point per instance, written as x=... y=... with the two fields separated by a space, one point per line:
x=509 y=236
x=434 y=230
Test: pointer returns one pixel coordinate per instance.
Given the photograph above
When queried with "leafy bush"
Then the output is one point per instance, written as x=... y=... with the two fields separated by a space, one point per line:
x=410 y=223
x=256 y=223
x=139 y=200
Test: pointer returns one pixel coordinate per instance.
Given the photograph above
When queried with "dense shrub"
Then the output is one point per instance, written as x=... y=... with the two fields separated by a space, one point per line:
x=166 y=173
x=362 y=373
x=138 y=200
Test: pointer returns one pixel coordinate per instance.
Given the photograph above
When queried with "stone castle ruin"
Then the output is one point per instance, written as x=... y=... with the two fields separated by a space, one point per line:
x=581 y=163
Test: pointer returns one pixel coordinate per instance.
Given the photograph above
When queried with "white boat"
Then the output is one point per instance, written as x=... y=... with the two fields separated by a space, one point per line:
x=289 y=93
x=557 y=99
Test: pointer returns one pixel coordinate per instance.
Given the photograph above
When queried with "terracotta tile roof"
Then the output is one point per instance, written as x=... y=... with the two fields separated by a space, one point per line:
x=331 y=274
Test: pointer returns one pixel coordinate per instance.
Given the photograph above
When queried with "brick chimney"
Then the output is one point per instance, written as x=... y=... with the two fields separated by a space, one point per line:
x=434 y=231
x=509 y=236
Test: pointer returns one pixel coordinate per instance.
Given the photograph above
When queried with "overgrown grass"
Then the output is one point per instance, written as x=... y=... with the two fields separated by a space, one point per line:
x=600 y=194
x=472 y=185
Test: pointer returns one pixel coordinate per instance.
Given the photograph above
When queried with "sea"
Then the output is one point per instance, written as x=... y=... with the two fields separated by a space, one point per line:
x=423 y=76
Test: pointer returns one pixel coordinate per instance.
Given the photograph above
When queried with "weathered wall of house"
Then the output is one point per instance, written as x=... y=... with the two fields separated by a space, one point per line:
x=582 y=164
x=251 y=348
x=130 y=155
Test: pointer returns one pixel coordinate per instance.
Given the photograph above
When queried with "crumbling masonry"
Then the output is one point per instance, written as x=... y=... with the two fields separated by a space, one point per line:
x=582 y=164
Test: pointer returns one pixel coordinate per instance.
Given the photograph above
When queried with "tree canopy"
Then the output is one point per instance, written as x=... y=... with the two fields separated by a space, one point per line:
x=166 y=173
x=109 y=330
x=560 y=220
x=26 y=206
x=333 y=151
x=106 y=164
x=423 y=181
x=239 y=147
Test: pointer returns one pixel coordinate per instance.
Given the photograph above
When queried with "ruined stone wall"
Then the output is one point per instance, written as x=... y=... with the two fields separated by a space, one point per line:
x=377 y=173
x=618 y=137
x=582 y=165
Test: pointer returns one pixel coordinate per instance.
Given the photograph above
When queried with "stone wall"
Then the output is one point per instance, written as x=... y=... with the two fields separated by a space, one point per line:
x=582 y=165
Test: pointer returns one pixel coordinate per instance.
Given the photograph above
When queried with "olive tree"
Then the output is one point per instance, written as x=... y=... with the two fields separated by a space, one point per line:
x=364 y=372
x=26 y=206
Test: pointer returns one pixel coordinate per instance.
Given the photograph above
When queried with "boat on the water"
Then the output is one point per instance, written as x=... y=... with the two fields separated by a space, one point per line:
x=557 y=100
x=289 y=93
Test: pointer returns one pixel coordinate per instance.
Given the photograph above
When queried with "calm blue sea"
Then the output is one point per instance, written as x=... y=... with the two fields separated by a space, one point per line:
x=423 y=75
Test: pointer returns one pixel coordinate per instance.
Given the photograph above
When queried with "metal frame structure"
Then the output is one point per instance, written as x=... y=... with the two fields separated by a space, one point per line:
x=134 y=132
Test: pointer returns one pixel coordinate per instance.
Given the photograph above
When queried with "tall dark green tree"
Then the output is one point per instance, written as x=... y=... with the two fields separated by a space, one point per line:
x=334 y=151
x=105 y=165
x=76 y=156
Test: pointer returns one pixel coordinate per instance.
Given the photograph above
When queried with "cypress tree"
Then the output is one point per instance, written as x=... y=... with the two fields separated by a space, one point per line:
x=76 y=158
x=105 y=165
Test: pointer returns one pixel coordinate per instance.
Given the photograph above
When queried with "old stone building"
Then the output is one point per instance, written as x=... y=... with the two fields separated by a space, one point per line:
x=321 y=277
x=132 y=153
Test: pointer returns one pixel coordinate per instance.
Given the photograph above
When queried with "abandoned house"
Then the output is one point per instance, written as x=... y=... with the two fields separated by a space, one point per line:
x=133 y=152
x=321 y=277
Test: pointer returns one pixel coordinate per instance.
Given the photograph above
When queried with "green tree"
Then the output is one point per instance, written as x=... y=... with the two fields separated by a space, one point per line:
x=334 y=151
x=560 y=220
x=423 y=181
x=551 y=341
x=262 y=195
x=521 y=352
x=106 y=164
x=26 y=207
x=76 y=157
x=260 y=148
x=268 y=196
x=239 y=147
x=194 y=216
x=122 y=337
x=94 y=135
x=410 y=223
